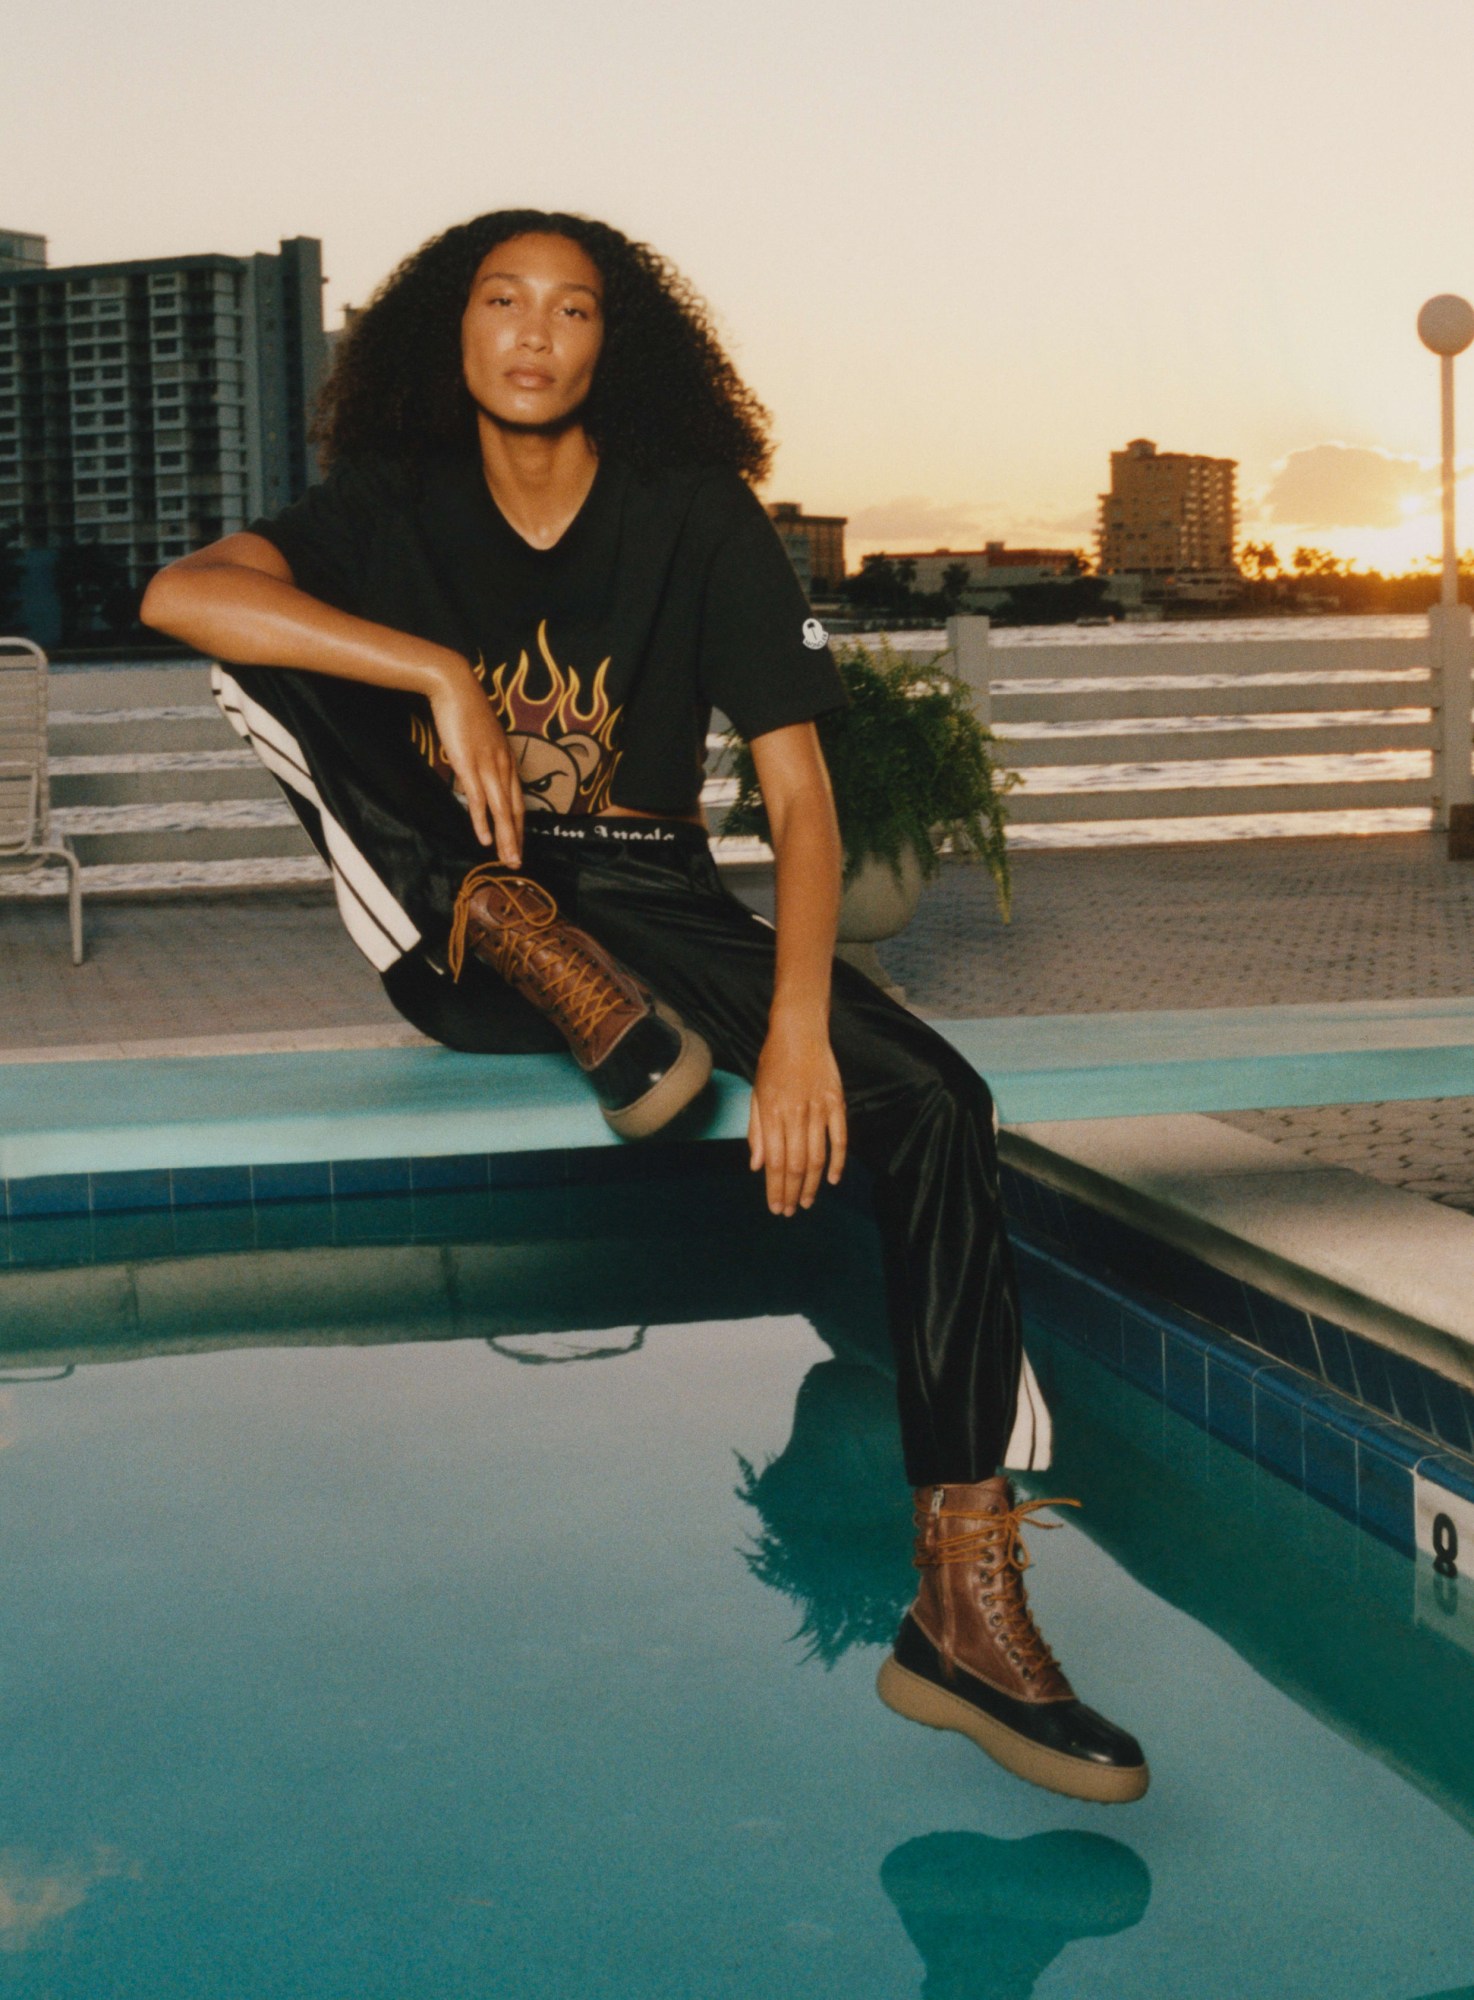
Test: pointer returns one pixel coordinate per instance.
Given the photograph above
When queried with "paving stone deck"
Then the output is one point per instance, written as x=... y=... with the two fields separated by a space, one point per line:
x=1094 y=930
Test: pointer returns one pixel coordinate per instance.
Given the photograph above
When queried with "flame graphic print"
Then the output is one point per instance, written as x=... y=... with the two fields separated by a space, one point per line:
x=563 y=738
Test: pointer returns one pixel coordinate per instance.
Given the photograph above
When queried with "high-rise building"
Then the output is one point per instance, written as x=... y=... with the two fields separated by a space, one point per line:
x=156 y=405
x=20 y=251
x=815 y=544
x=1168 y=513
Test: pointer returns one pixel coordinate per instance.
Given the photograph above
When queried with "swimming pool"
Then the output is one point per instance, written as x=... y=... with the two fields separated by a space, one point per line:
x=485 y=1595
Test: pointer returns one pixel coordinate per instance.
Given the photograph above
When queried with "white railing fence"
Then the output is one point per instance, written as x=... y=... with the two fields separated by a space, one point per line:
x=1163 y=728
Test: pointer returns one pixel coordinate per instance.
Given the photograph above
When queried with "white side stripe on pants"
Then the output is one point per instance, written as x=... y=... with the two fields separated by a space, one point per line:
x=379 y=925
x=1030 y=1444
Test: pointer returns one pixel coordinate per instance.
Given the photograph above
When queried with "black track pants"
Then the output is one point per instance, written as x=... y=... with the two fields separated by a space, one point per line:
x=920 y=1118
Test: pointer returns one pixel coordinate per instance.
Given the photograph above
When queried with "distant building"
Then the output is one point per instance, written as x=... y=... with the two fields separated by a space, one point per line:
x=1169 y=514
x=155 y=405
x=20 y=251
x=815 y=545
x=991 y=570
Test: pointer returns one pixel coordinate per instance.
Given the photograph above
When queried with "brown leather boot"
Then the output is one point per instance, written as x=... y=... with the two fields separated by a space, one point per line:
x=970 y=1657
x=644 y=1063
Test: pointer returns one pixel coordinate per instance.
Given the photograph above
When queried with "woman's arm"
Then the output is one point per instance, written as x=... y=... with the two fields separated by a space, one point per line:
x=797 y=1098
x=236 y=600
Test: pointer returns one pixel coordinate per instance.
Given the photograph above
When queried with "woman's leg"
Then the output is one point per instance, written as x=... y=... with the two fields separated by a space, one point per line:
x=428 y=907
x=968 y=1656
x=920 y=1119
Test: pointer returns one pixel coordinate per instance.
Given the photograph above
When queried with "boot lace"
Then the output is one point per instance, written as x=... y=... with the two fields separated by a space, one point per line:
x=579 y=990
x=994 y=1542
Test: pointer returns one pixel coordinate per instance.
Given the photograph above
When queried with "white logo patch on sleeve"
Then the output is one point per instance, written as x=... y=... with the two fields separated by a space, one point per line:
x=814 y=634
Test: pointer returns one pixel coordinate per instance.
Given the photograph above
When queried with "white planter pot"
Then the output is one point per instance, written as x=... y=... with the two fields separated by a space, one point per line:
x=877 y=905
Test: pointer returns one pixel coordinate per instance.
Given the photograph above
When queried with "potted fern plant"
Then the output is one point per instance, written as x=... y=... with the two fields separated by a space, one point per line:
x=912 y=770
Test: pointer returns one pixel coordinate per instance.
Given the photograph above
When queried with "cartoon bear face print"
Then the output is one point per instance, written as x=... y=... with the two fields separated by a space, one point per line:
x=552 y=771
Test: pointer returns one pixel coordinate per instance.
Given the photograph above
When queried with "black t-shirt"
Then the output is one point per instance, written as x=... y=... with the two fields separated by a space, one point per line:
x=669 y=595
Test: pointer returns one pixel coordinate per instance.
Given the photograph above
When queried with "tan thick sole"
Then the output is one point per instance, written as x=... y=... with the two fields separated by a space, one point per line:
x=922 y=1701
x=687 y=1075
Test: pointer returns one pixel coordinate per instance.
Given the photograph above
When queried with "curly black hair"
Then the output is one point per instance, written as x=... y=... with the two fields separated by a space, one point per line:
x=663 y=393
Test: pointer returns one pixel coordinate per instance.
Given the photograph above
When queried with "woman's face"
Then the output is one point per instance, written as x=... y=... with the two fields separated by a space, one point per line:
x=532 y=329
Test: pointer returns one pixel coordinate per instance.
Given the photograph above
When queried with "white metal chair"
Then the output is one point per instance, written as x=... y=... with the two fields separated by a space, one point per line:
x=26 y=839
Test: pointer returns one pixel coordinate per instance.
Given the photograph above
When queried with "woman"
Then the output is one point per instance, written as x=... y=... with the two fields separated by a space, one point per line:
x=482 y=658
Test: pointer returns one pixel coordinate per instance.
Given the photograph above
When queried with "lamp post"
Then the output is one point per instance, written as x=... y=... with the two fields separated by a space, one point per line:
x=1446 y=327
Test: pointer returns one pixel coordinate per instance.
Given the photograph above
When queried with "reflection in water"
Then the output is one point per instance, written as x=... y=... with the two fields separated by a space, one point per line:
x=989 y=1916
x=31 y=1897
x=836 y=1512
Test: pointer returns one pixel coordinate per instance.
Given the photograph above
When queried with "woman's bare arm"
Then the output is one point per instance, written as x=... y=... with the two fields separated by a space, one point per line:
x=798 y=1108
x=236 y=599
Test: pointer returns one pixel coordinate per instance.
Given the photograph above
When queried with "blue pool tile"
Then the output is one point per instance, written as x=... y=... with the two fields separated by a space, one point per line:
x=39 y=1240
x=1141 y=1350
x=359 y=1177
x=1282 y=1330
x=1231 y=1399
x=1372 y=1384
x=1208 y=1294
x=1061 y=1209
x=450 y=1215
x=125 y=1234
x=1278 y=1425
x=1330 y=1462
x=1409 y=1397
x=1046 y=1211
x=1185 y=1375
x=1015 y=1191
x=387 y=1218
x=1096 y=1240
x=292 y=1180
x=49 y=1194
x=118 y=1194
x=1448 y=1412
x=293 y=1225
x=1384 y=1488
x=450 y=1171
x=1059 y=1298
x=200 y=1231
x=1334 y=1354
x=210 y=1187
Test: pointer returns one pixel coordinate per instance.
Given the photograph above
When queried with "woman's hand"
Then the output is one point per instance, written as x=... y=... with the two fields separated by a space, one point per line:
x=797 y=1112
x=477 y=750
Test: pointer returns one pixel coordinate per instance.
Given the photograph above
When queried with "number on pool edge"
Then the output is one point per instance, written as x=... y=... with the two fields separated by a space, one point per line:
x=1445 y=1546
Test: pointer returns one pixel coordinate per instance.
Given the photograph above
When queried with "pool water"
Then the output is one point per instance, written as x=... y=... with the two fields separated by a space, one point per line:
x=543 y=1665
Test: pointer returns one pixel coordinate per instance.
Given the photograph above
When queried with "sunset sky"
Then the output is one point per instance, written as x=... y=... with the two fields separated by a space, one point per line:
x=960 y=249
